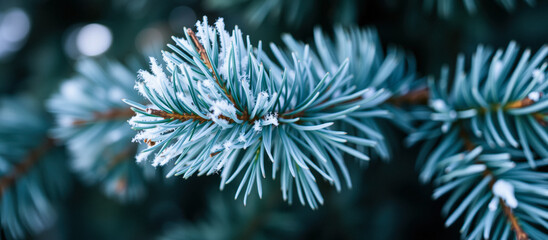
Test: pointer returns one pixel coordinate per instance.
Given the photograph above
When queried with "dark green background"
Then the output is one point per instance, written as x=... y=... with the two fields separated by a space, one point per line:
x=387 y=202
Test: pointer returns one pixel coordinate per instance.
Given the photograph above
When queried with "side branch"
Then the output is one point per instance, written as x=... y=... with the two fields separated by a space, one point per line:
x=418 y=96
x=112 y=114
x=521 y=103
x=518 y=230
x=207 y=62
x=520 y=234
x=25 y=165
x=175 y=116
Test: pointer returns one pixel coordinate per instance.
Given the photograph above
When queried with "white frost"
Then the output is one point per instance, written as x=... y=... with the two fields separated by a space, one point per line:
x=271 y=119
x=257 y=126
x=227 y=145
x=505 y=191
x=538 y=75
x=153 y=80
x=216 y=148
x=222 y=106
x=241 y=138
x=493 y=204
x=142 y=156
x=368 y=93
x=438 y=105
x=535 y=96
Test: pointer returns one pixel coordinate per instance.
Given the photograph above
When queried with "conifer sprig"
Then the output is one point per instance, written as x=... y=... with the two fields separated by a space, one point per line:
x=33 y=175
x=485 y=139
x=226 y=107
x=92 y=120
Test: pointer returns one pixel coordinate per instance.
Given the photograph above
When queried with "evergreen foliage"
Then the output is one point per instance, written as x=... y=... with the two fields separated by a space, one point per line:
x=302 y=113
x=394 y=74
x=485 y=140
x=92 y=120
x=32 y=172
x=220 y=110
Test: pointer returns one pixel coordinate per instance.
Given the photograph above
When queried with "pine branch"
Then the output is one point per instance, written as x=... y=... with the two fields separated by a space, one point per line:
x=25 y=165
x=180 y=117
x=207 y=62
x=477 y=132
x=218 y=109
x=109 y=115
x=520 y=234
x=33 y=174
x=415 y=97
x=505 y=107
x=92 y=121
x=470 y=146
x=393 y=73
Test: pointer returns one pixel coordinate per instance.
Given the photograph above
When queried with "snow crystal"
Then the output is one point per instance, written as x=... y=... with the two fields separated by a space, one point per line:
x=209 y=84
x=241 y=138
x=247 y=88
x=222 y=122
x=535 y=96
x=538 y=75
x=368 y=93
x=201 y=29
x=271 y=119
x=142 y=156
x=438 y=105
x=505 y=191
x=261 y=100
x=157 y=69
x=153 y=80
x=493 y=204
x=168 y=59
x=227 y=145
x=263 y=94
x=220 y=25
x=257 y=126
x=216 y=148
x=150 y=81
x=221 y=106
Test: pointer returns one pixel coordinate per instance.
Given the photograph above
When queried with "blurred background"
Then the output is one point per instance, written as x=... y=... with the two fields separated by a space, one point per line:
x=41 y=42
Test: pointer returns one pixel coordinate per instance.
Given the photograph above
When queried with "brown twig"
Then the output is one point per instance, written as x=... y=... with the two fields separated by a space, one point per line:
x=418 y=96
x=520 y=234
x=207 y=62
x=520 y=103
x=185 y=117
x=518 y=230
x=25 y=165
x=181 y=117
x=112 y=114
